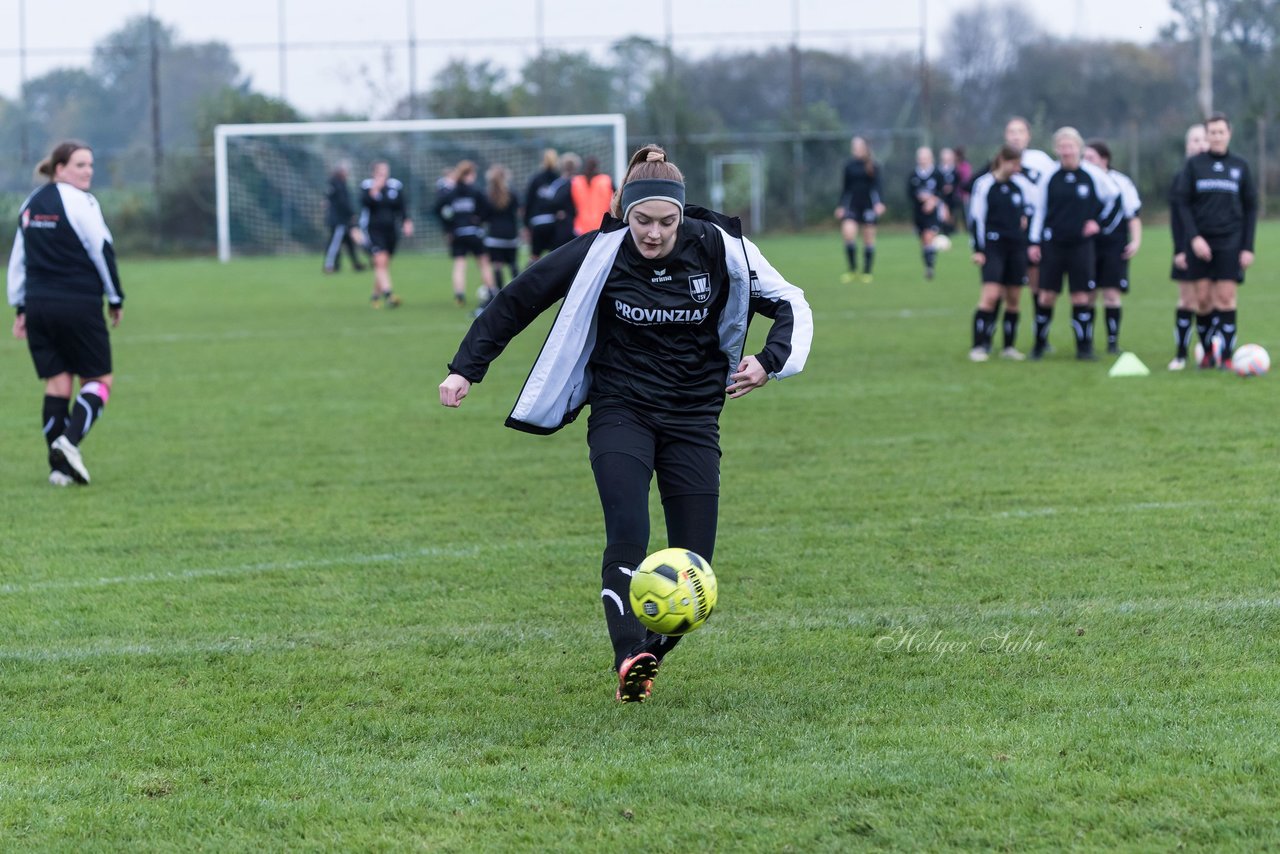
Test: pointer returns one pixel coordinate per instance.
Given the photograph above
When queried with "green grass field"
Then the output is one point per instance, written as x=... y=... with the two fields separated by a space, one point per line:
x=303 y=607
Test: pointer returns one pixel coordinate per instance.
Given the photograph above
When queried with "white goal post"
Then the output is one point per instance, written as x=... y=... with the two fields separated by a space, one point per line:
x=272 y=176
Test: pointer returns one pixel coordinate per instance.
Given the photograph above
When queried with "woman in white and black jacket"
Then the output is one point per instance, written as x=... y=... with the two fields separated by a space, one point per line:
x=61 y=267
x=651 y=335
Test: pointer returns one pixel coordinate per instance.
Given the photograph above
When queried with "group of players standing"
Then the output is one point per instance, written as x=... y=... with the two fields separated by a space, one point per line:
x=1035 y=221
x=562 y=201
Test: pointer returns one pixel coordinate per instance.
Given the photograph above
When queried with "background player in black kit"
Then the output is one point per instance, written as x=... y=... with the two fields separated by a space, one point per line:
x=651 y=335
x=384 y=217
x=502 y=237
x=1217 y=204
x=62 y=265
x=924 y=187
x=539 y=215
x=861 y=202
x=464 y=212
x=1192 y=303
x=1117 y=242
x=999 y=210
x=340 y=217
x=1071 y=200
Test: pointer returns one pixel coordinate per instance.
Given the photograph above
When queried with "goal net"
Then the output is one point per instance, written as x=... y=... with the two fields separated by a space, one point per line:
x=271 y=178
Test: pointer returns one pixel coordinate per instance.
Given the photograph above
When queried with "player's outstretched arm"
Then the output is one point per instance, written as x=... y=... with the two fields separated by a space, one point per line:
x=454 y=388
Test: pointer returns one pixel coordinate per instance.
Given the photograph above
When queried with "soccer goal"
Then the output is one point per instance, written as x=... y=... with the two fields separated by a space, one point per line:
x=271 y=178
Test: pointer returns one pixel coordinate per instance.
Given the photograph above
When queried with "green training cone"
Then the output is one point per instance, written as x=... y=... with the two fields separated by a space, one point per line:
x=1129 y=365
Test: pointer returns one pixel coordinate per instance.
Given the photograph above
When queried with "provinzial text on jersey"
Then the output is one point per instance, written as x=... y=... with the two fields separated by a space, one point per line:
x=1223 y=184
x=632 y=314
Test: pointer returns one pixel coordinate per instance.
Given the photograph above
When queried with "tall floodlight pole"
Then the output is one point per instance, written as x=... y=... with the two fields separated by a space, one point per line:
x=1204 y=95
x=797 y=115
x=157 y=147
x=24 y=131
x=926 y=120
x=669 y=71
x=413 y=62
x=284 y=88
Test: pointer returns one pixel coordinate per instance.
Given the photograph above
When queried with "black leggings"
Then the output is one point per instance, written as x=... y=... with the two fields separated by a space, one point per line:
x=623 y=483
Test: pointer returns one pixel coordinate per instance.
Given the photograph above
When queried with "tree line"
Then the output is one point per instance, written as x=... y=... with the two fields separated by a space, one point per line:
x=797 y=107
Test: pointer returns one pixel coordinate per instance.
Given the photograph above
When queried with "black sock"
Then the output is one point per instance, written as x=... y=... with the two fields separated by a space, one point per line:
x=626 y=633
x=1227 y=326
x=868 y=258
x=1082 y=325
x=1044 y=317
x=930 y=255
x=497 y=276
x=1215 y=325
x=84 y=412
x=983 y=327
x=1182 y=331
x=851 y=253
x=54 y=417
x=1204 y=328
x=1011 y=319
x=1113 y=325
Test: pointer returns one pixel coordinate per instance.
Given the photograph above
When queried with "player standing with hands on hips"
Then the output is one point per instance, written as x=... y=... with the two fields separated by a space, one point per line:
x=650 y=335
x=62 y=265
x=1217 y=205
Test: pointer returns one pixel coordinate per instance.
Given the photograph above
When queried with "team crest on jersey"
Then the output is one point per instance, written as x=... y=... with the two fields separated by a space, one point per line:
x=1083 y=191
x=1217 y=166
x=1235 y=173
x=700 y=287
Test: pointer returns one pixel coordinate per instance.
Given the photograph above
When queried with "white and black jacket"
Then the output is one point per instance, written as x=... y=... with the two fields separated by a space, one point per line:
x=559 y=383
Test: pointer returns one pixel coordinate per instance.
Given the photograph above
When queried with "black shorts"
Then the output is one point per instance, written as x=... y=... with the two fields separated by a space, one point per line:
x=1111 y=268
x=542 y=238
x=1006 y=263
x=470 y=244
x=68 y=338
x=1223 y=266
x=1178 y=275
x=867 y=216
x=381 y=239
x=684 y=452
x=1076 y=261
x=502 y=250
x=927 y=222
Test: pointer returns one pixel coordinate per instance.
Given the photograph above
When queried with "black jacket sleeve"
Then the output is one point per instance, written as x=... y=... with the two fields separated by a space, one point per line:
x=539 y=287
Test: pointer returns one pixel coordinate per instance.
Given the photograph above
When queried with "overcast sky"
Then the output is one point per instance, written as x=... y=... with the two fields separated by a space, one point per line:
x=353 y=54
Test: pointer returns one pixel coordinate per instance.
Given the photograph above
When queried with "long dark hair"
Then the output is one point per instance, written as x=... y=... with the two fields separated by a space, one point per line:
x=60 y=156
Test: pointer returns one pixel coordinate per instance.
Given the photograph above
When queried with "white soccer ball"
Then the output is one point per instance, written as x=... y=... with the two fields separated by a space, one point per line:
x=1250 y=360
x=941 y=242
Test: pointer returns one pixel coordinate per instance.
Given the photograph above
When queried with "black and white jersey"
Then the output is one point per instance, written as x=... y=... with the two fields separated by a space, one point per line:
x=1037 y=165
x=63 y=250
x=657 y=345
x=386 y=210
x=999 y=211
x=1218 y=198
x=678 y=324
x=464 y=210
x=922 y=184
x=861 y=189
x=1127 y=205
x=1067 y=199
x=950 y=185
x=539 y=196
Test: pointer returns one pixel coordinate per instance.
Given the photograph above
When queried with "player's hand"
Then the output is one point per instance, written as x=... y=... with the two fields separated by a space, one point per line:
x=979 y=258
x=1131 y=248
x=839 y=213
x=1180 y=260
x=115 y=312
x=454 y=388
x=357 y=235
x=750 y=375
x=1033 y=254
x=20 y=327
x=407 y=228
x=879 y=208
x=1200 y=246
x=1091 y=228
x=1246 y=259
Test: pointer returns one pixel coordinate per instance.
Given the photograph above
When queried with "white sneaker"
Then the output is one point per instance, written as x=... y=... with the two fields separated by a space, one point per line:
x=70 y=454
x=1177 y=364
x=1012 y=353
x=978 y=354
x=57 y=478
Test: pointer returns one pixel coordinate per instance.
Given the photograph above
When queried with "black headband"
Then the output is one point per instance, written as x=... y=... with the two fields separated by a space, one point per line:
x=651 y=189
